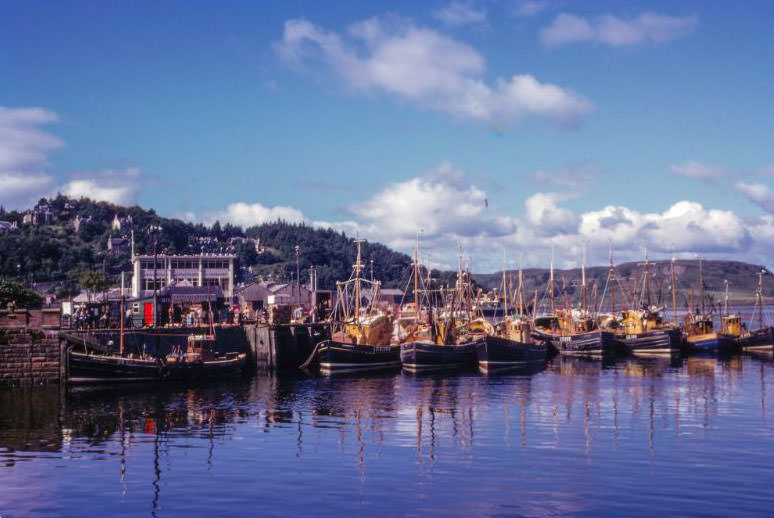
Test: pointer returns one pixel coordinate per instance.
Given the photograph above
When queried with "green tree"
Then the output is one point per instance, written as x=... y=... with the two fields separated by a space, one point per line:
x=12 y=292
x=93 y=282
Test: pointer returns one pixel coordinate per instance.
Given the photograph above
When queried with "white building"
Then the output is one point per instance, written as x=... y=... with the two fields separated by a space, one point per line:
x=183 y=270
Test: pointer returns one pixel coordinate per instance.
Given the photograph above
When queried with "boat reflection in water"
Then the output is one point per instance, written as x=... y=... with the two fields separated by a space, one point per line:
x=393 y=444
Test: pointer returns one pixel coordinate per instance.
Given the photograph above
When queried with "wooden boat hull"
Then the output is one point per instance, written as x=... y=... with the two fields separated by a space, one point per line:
x=426 y=356
x=711 y=343
x=95 y=368
x=757 y=339
x=495 y=353
x=591 y=343
x=659 y=341
x=337 y=357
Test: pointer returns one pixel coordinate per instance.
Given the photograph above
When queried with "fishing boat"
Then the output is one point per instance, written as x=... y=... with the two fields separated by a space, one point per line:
x=701 y=336
x=761 y=338
x=445 y=342
x=201 y=360
x=512 y=345
x=573 y=330
x=360 y=334
x=643 y=331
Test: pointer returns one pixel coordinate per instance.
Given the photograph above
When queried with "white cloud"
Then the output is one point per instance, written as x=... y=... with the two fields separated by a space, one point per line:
x=528 y=8
x=428 y=69
x=119 y=186
x=24 y=149
x=760 y=194
x=249 y=214
x=459 y=13
x=453 y=211
x=697 y=171
x=577 y=176
x=546 y=217
x=617 y=32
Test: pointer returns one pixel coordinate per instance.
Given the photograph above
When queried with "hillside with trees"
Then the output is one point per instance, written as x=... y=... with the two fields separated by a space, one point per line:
x=70 y=239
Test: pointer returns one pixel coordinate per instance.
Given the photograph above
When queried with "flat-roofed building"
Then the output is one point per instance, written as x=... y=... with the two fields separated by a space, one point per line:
x=183 y=270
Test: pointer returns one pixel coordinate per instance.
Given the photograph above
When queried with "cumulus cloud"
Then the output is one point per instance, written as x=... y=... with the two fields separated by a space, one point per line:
x=459 y=13
x=24 y=149
x=759 y=194
x=610 y=30
x=452 y=211
x=119 y=186
x=249 y=214
x=547 y=217
x=697 y=171
x=428 y=69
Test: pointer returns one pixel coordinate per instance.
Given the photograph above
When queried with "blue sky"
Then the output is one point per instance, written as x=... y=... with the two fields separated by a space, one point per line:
x=516 y=126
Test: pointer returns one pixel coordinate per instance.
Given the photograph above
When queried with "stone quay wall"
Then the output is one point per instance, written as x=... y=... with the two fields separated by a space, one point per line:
x=29 y=357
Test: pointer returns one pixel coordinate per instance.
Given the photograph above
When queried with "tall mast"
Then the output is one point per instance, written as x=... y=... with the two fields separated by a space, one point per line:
x=551 y=281
x=647 y=278
x=521 y=292
x=611 y=275
x=358 y=268
x=701 y=286
x=505 y=291
x=674 y=292
x=416 y=278
x=725 y=299
x=583 y=280
x=759 y=296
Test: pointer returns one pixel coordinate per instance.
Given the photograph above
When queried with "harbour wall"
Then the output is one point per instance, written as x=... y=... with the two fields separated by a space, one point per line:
x=29 y=356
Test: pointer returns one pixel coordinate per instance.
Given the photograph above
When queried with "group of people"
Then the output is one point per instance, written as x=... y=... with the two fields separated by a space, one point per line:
x=91 y=317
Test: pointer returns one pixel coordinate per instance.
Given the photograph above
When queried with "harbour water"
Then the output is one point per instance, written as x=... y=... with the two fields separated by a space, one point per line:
x=632 y=437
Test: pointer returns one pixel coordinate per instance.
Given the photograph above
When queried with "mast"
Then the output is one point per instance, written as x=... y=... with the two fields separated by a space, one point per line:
x=647 y=278
x=583 y=281
x=701 y=286
x=358 y=267
x=551 y=281
x=521 y=292
x=674 y=292
x=611 y=275
x=416 y=279
x=121 y=319
x=759 y=297
x=534 y=306
x=505 y=291
x=725 y=299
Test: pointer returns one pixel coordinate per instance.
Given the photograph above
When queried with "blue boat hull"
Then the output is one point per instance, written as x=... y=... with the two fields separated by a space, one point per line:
x=425 y=356
x=494 y=353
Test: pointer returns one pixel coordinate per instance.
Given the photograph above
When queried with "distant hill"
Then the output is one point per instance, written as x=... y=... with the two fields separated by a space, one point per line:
x=742 y=280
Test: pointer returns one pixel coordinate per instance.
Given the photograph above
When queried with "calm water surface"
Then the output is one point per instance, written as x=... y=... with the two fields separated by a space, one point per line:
x=636 y=437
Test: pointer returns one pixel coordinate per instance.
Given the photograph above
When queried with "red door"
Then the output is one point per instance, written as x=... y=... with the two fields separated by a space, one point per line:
x=148 y=313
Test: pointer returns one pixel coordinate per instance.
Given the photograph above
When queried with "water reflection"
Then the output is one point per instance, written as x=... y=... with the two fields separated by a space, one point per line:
x=587 y=422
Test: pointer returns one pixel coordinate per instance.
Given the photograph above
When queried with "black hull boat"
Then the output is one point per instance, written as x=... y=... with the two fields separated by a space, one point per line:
x=98 y=368
x=495 y=354
x=337 y=357
x=659 y=341
x=762 y=338
x=589 y=343
x=426 y=356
